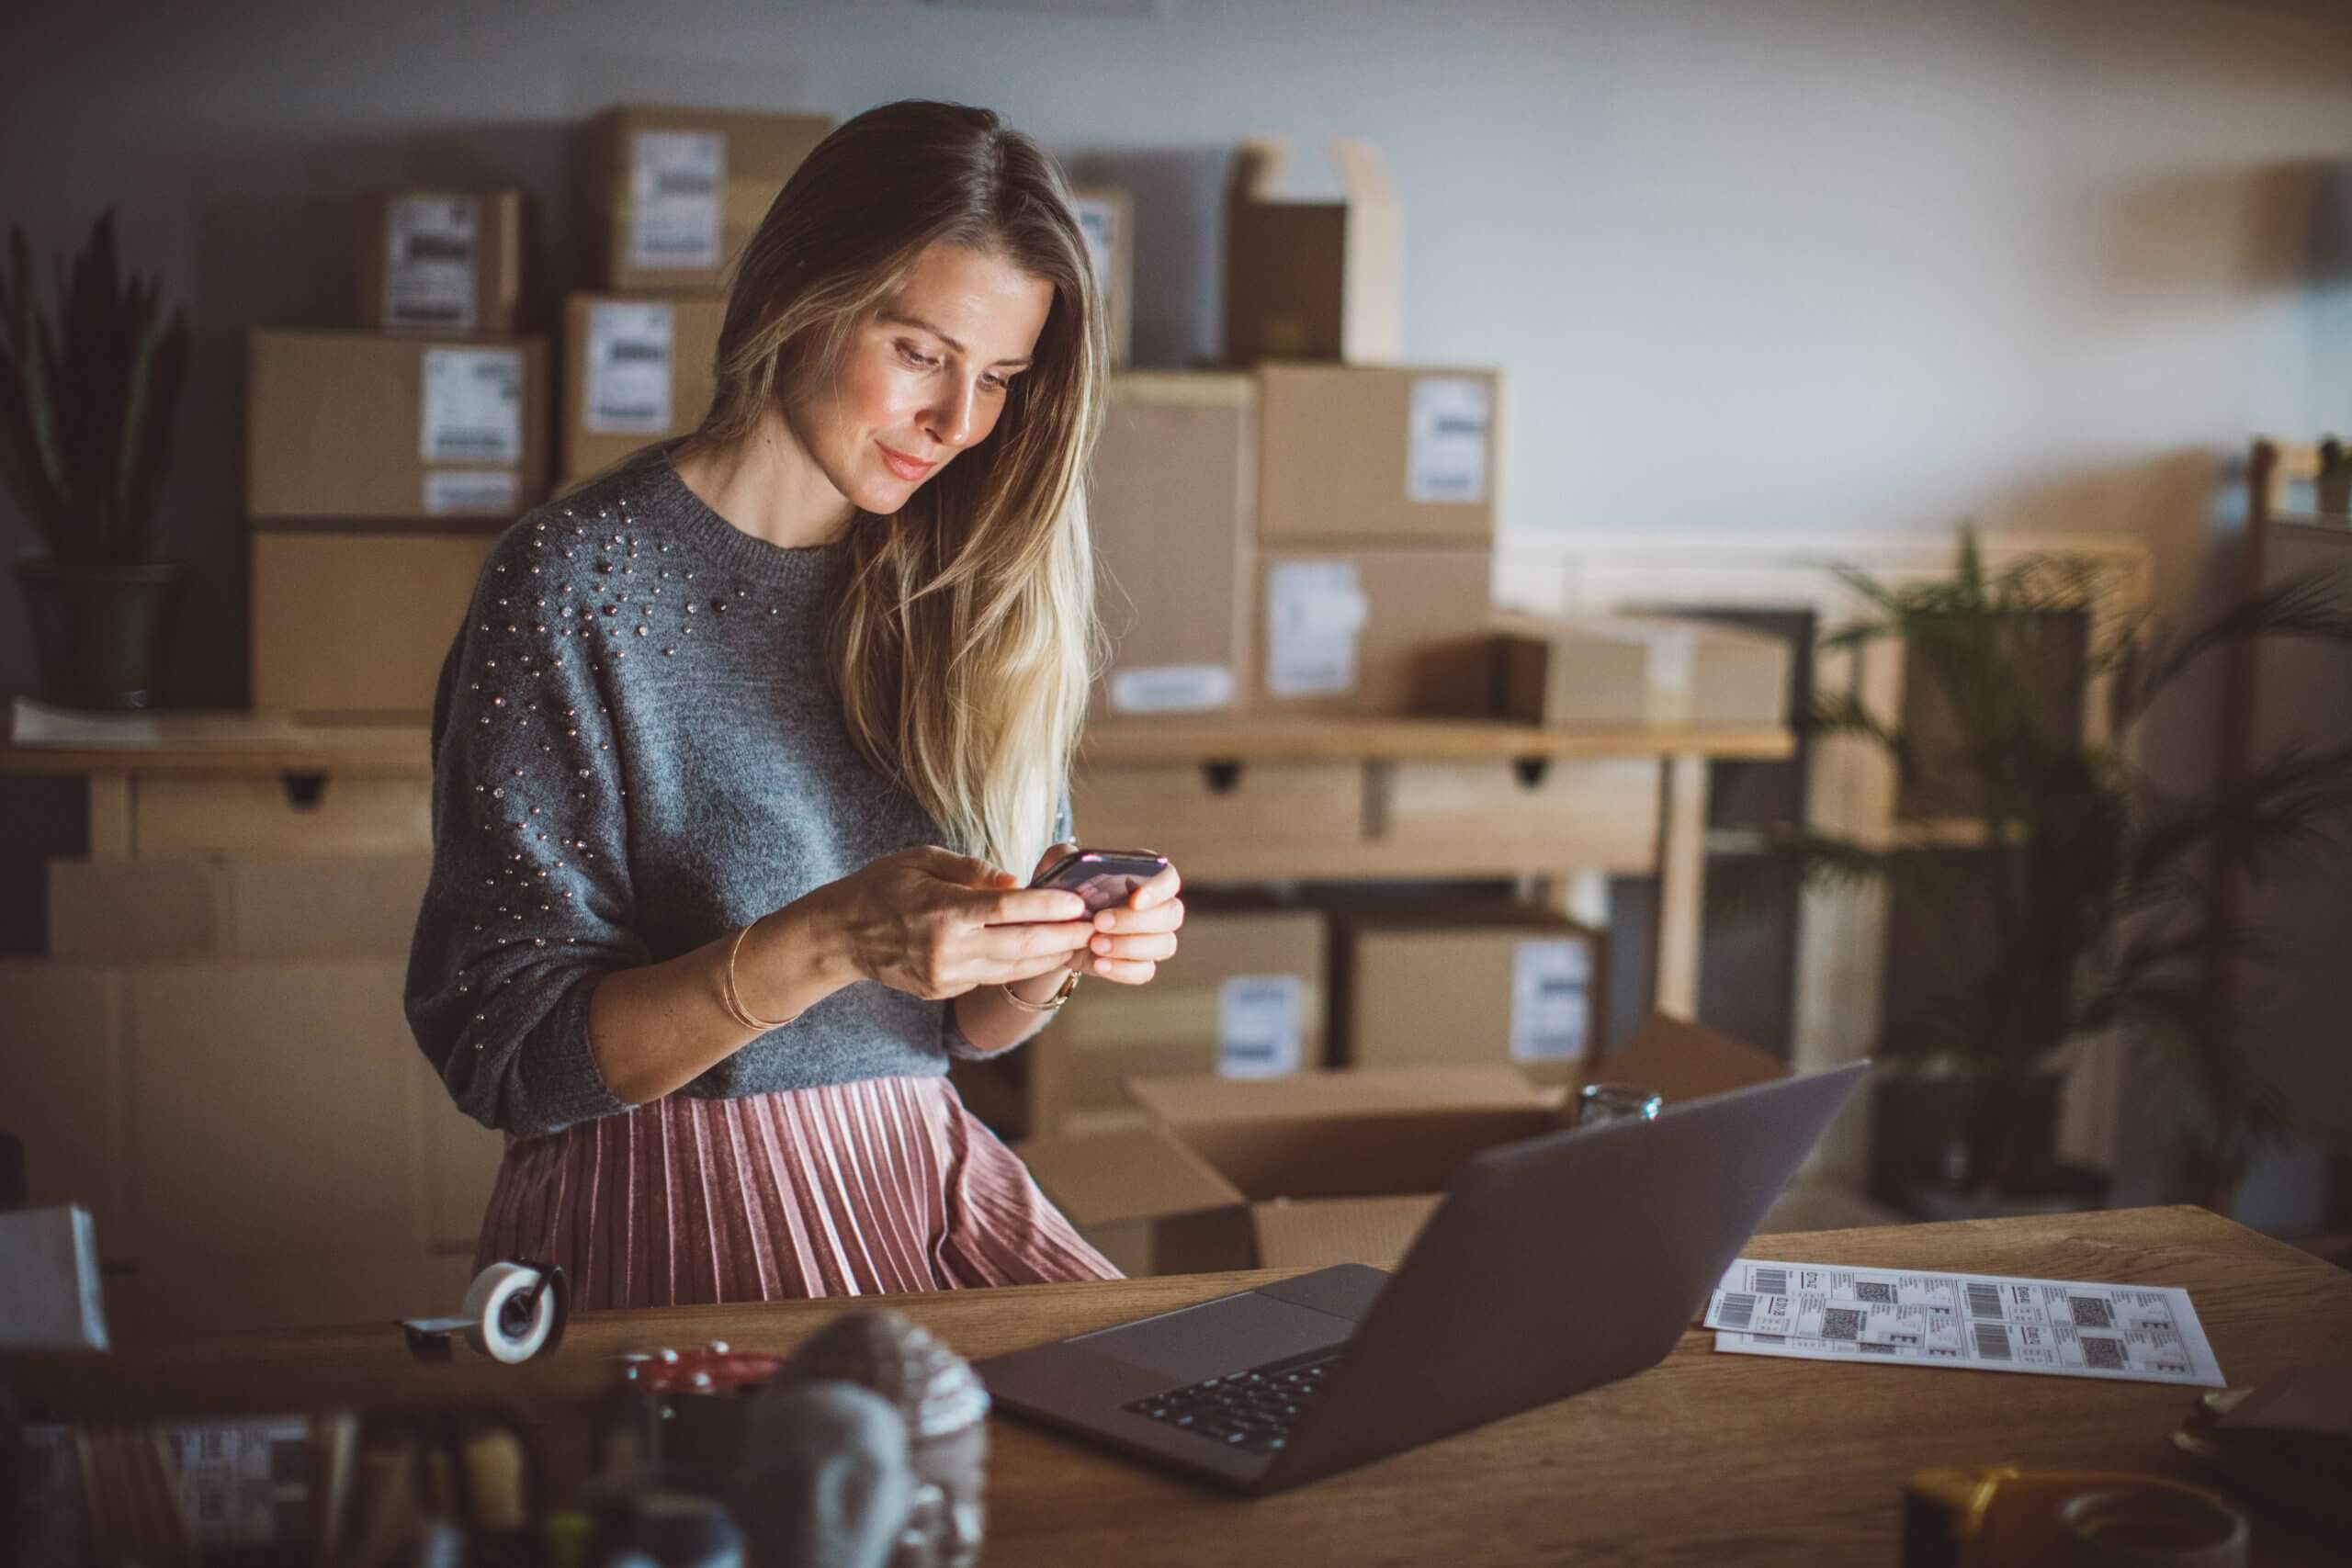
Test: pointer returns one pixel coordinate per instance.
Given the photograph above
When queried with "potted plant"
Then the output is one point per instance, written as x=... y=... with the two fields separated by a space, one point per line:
x=85 y=433
x=2077 y=907
x=2334 y=476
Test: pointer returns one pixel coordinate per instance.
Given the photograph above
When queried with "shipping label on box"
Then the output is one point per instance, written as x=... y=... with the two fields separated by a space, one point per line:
x=677 y=187
x=1261 y=1025
x=1447 y=440
x=1098 y=219
x=472 y=409
x=429 y=262
x=627 y=391
x=473 y=492
x=1314 y=610
x=1173 y=688
x=1551 y=981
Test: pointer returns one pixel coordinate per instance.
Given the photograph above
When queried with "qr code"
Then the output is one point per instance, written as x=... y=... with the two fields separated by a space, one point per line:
x=2103 y=1353
x=2091 y=1311
x=1877 y=1290
x=1841 y=1323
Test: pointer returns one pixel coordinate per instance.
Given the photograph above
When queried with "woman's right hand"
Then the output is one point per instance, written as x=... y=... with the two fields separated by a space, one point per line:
x=935 y=924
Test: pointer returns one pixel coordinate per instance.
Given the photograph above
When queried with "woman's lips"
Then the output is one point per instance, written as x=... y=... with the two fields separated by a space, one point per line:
x=906 y=468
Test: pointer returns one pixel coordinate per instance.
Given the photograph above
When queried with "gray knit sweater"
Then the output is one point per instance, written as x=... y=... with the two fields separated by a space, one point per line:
x=637 y=749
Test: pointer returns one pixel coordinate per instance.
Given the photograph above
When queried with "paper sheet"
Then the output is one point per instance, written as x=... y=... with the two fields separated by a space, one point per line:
x=1260 y=1021
x=1314 y=609
x=429 y=262
x=1171 y=688
x=1445 y=455
x=1550 y=999
x=678 y=191
x=627 y=389
x=1983 y=1322
x=472 y=406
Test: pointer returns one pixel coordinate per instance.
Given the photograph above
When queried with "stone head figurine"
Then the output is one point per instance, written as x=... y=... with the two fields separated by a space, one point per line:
x=942 y=1406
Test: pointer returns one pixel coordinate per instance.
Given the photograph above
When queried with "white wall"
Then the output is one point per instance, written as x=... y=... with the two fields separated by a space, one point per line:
x=1781 y=264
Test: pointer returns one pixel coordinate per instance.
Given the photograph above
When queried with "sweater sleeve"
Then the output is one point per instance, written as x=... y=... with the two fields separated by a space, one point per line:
x=530 y=901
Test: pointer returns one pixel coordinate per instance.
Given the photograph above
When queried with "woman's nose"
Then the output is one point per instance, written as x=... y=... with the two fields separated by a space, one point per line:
x=950 y=421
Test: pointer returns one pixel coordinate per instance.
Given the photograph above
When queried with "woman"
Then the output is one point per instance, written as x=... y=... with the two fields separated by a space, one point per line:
x=691 y=939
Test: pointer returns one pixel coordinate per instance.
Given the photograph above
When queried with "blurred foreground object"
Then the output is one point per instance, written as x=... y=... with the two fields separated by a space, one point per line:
x=2015 y=1518
x=2287 y=1442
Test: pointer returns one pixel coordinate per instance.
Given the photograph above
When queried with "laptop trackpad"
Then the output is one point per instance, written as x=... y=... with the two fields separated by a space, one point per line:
x=1219 y=1336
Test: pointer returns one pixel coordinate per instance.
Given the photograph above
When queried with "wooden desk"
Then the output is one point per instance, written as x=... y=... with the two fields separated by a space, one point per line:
x=1231 y=799
x=1706 y=1458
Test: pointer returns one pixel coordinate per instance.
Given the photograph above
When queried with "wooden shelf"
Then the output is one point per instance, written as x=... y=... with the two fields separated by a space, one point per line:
x=241 y=744
x=1127 y=743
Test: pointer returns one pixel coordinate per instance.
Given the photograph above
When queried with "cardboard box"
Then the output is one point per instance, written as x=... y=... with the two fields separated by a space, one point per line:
x=64 y=1065
x=1107 y=218
x=1375 y=631
x=274 y=1109
x=1345 y=1167
x=358 y=624
x=1468 y=985
x=366 y=427
x=1173 y=505
x=1146 y=1203
x=1312 y=280
x=442 y=261
x=675 y=193
x=196 y=907
x=1243 y=997
x=635 y=371
x=1389 y=457
x=1638 y=670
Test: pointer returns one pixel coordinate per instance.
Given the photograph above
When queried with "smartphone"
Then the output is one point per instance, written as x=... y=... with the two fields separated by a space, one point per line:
x=1102 y=877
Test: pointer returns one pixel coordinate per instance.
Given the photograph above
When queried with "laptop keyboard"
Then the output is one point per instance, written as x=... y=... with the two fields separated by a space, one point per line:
x=1250 y=1410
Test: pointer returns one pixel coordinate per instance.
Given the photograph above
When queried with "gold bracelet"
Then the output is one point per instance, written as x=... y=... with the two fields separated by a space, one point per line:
x=1051 y=1004
x=734 y=1001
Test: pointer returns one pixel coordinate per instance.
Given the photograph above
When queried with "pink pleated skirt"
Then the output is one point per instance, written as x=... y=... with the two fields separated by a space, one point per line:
x=858 y=1189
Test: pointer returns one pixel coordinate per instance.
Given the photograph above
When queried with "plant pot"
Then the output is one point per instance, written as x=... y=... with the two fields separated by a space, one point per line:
x=1919 y=1133
x=101 y=630
x=2053 y=1189
x=2336 y=491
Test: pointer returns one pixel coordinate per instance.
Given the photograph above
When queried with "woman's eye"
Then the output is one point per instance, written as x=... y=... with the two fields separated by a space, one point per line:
x=995 y=383
x=914 y=356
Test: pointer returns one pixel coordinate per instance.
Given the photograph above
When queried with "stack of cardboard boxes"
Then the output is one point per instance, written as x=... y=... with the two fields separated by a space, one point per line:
x=679 y=192
x=1313 y=532
x=381 y=460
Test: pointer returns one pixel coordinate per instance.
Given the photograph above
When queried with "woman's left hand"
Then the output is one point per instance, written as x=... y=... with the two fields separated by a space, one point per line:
x=1134 y=938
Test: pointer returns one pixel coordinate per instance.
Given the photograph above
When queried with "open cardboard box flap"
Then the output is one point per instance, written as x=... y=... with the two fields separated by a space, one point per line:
x=1342 y=1167
x=1130 y=1173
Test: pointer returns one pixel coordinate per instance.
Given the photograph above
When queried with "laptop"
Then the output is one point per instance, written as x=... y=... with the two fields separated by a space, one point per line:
x=1552 y=1266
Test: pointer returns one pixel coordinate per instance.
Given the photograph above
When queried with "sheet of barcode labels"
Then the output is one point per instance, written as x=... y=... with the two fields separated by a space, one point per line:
x=1983 y=1322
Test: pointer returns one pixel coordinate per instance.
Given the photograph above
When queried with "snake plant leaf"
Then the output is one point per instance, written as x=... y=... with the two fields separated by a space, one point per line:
x=86 y=410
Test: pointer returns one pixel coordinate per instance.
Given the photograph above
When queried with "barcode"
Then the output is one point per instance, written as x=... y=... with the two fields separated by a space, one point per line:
x=447 y=442
x=2090 y=1311
x=1739 y=1311
x=1985 y=1300
x=1874 y=1290
x=2101 y=1352
x=639 y=413
x=623 y=351
x=414 y=311
x=438 y=247
x=1992 y=1340
x=1772 y=1282
x=684 y=182
x=673 y=245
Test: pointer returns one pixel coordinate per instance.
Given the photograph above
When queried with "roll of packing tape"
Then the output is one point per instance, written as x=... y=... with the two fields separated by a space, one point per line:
x=2154 y=1526
x=511 y=1311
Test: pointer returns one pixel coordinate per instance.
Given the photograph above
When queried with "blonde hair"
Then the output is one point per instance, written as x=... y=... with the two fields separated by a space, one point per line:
x=966 y=641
